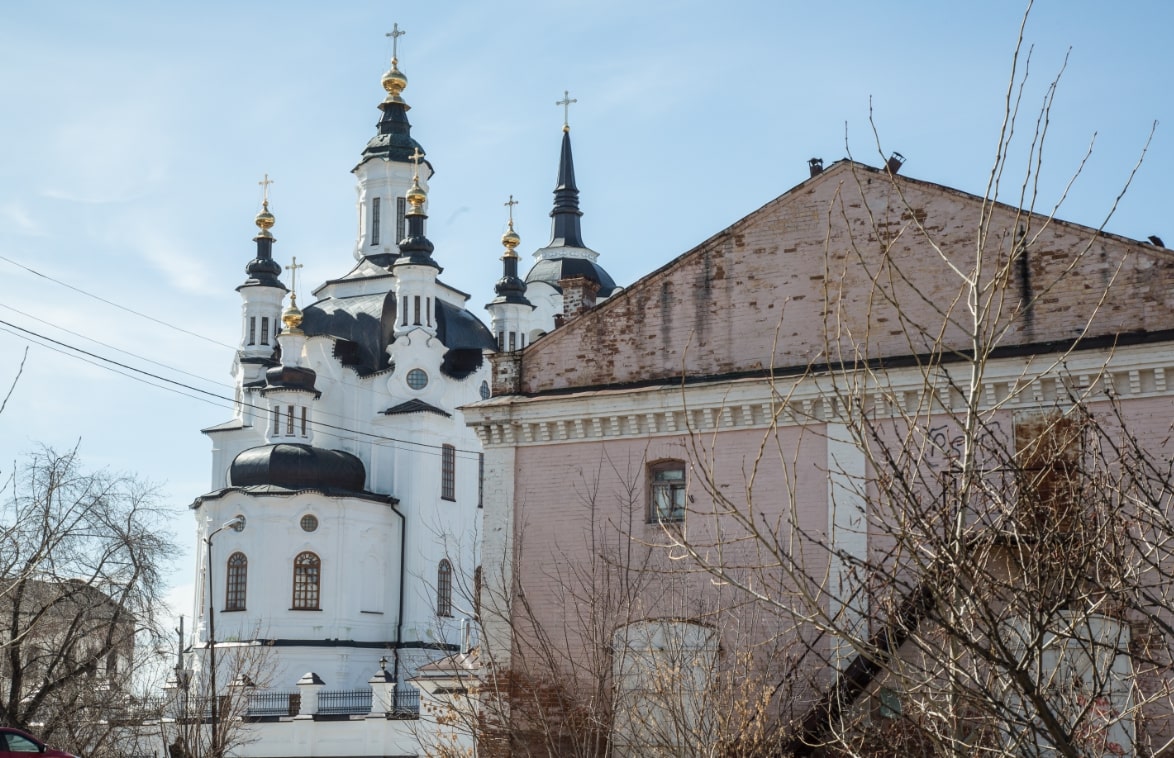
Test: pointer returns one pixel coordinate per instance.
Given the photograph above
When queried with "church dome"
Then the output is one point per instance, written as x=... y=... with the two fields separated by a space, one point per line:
x=284 y=377
x=297 y=467
x=553 y=270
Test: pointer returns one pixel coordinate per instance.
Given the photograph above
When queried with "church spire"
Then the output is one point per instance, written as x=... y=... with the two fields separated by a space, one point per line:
x=416 y=249
x=565 y=227
x=510 y=288
x=263 y=270
x=394 y=139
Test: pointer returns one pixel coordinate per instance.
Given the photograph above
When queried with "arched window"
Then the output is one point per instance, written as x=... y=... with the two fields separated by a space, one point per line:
x=307 y=580
x=236 y=581
x=444 y=589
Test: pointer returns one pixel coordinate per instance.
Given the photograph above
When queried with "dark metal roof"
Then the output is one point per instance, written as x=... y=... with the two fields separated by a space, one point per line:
x=263 y=270
x=565 y=230
x=566 y=255
x=415 y=406
x=270 y=490
x=299 y=378
x=367 y=323
x=298 y=466
x=394 y=140
x=460 y=330
x=553 y=270
x=228 y=426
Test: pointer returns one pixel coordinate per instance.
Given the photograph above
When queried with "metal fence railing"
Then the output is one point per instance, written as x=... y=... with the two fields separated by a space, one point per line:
x=407 y=702
x=273 y=703
x=342 y=702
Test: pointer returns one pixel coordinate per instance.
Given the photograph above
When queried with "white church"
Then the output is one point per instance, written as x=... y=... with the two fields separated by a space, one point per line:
x=339 y=542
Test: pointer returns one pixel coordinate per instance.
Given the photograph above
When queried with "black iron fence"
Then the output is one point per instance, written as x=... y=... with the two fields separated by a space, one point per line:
x=273 y=703
x=343 y=702
x=407 y=702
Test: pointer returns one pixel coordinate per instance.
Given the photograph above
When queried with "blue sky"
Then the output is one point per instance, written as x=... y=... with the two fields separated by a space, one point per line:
x=135 y=134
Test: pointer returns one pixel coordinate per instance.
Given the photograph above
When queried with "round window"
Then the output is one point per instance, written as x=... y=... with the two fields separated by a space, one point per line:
x=417 y=379
x=309 y=523
x=238 y=523
x=484 y=390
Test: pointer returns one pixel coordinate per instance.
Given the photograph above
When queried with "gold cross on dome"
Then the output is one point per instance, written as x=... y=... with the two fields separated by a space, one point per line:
x=265 y=190
x=292 y=268
x=395 y=34
x=511 y=205
x=415 y=158
x=566 y=104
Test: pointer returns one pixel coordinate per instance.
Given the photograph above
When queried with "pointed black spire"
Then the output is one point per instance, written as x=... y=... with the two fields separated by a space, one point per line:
x=565 y=228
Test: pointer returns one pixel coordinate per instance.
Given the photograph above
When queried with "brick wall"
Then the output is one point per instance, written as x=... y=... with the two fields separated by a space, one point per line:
x=849 y=266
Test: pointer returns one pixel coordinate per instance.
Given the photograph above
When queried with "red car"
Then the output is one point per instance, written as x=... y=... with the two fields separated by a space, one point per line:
x=17 y=744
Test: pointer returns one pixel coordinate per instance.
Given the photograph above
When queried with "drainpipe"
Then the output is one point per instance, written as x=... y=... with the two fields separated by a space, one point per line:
x=399 y=619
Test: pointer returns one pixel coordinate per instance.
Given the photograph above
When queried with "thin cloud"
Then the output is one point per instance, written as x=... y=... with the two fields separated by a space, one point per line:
x=17 y=218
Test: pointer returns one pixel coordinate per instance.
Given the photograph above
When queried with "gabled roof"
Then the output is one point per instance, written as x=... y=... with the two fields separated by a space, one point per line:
x=415 y=405
x=816 y=276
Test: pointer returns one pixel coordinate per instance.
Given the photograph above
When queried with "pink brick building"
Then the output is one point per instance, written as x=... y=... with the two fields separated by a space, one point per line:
x=881 y=455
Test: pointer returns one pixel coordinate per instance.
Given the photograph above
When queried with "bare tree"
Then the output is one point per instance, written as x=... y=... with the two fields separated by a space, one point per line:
x=186 y=727
x=81 y=560
x=616 y=648
x=993 y=573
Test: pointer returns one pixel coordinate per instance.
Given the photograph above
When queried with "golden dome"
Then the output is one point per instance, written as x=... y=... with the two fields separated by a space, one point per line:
x=511 y=240
x=416 y=195
x=264 y=220
x=394 y=82
x=292 y=315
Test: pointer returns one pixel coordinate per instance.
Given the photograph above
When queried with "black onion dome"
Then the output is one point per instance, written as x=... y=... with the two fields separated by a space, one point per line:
x=291 y=378
x=510 y=289
x=263 y=270
x=394 y=139
x=554 y=270
x=297 y=467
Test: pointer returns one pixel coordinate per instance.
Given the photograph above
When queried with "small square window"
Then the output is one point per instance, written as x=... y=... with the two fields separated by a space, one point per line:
x=666 y=497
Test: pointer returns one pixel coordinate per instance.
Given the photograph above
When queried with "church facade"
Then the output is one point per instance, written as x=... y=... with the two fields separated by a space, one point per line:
x=339 y=542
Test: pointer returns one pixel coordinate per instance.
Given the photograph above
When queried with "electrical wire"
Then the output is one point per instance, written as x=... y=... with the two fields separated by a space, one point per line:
x=112 y=303
x=116 y=349
x=201 y=394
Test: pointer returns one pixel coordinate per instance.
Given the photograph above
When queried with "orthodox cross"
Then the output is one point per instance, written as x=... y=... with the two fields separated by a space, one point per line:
x=511 y=205
x=566 y=104
x=292 y=268
x=395 y=34
x=415 y=158
x=265 y=190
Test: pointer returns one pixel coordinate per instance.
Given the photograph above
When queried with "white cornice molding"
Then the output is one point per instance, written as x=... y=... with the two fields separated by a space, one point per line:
x=1011 y=383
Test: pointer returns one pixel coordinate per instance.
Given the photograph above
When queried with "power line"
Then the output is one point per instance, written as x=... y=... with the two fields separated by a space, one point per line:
x=204 y=395
x=157 y=363
x=114 y=304
x=117 y=349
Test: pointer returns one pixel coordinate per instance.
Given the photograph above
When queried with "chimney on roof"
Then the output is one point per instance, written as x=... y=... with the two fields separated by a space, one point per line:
x=578 y=295
x=896 y=160
x=816 y=166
